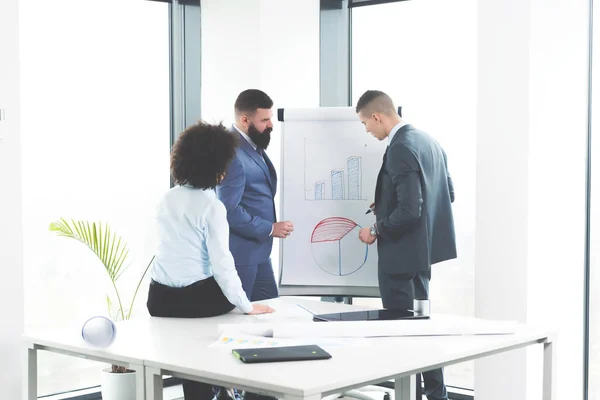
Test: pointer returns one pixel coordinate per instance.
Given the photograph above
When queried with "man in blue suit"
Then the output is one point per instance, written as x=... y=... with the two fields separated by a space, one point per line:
x=248 y=191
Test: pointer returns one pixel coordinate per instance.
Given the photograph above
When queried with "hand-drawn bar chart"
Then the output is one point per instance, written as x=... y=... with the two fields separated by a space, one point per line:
x=343 y=181
x=336 y=247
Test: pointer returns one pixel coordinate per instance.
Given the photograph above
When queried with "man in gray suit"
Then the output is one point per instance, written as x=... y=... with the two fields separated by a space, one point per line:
x=413 y=197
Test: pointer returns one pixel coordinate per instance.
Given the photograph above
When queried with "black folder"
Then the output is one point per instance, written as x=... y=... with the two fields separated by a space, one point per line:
x=278 y=354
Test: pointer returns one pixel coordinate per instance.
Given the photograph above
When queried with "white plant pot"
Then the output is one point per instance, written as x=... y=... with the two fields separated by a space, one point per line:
x=118 y=386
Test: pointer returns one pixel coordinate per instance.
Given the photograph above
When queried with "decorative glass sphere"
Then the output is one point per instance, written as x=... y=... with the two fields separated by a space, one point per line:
x=99 y=331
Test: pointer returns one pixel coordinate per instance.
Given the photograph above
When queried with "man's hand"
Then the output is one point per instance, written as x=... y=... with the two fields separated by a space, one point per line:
x=365 y=236
x=282 y=229
x=261 y=309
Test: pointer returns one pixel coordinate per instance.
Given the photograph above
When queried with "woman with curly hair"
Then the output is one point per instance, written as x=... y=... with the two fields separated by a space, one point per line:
x=193 y=275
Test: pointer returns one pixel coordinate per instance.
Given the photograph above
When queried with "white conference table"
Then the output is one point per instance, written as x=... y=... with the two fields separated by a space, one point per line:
x=179 y=347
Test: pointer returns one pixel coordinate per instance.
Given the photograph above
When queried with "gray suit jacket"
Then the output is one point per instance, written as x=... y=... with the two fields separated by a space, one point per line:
x=413 y=204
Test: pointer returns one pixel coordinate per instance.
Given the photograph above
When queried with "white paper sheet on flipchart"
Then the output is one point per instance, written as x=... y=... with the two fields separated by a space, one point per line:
x=235 y=340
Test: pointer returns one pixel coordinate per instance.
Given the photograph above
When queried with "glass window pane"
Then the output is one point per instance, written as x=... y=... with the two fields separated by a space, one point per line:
x=423 y=54
x=95 y=140
x=594 y=344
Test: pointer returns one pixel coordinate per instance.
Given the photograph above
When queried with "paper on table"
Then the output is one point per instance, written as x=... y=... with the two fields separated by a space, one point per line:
x=235 y=340
x=438 y=326
x=289 y=311
x=262 y=324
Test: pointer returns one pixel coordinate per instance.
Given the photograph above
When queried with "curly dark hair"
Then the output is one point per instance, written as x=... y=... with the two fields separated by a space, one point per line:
x=201 y=154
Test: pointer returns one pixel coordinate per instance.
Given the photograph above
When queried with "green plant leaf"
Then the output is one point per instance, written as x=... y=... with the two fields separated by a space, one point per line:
x=108 y=247
x=109 y=306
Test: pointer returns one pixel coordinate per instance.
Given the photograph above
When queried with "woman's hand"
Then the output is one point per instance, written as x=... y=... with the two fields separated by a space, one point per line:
x=261 y=309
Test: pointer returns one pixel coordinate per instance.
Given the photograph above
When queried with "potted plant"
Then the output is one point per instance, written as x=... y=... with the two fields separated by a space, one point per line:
x=118 y=382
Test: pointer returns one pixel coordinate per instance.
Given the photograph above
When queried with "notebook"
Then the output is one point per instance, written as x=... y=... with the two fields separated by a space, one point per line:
x=278 y=354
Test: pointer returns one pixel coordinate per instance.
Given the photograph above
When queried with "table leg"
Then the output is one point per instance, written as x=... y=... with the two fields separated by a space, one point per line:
x=154 y=383
x=549 y=390
x=30 y=373
x=140 y=381
x=405 y=388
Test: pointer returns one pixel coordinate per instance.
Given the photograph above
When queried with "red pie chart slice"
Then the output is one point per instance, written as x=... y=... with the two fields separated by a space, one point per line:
x=336 y=248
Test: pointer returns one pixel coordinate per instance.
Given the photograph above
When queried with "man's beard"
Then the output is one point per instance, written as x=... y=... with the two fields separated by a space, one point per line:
x=261 y=139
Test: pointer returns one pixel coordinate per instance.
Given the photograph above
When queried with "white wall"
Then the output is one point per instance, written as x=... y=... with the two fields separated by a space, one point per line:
x=532 y=87
x=231 y=55
x=558 y=128
x=502 y=196
x=272 y=45
x=11 y=265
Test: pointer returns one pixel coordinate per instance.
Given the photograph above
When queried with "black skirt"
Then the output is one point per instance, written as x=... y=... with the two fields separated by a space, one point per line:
x=199 y=300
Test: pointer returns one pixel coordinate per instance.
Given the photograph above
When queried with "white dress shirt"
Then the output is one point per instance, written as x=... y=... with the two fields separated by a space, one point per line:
x=193 y=243
x=395 y=129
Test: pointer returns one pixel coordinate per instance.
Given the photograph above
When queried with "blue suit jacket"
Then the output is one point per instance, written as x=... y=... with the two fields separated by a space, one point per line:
x=247 y=192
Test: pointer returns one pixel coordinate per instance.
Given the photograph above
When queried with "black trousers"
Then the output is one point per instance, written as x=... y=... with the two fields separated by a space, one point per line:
x=199 y=300
x=398 y=291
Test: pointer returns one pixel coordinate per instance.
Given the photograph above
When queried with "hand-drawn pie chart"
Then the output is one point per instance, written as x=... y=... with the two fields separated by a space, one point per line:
x=336 y=247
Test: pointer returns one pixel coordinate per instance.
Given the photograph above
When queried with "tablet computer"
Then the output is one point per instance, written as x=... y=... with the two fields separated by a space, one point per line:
x=278 y=354
x=370 y=315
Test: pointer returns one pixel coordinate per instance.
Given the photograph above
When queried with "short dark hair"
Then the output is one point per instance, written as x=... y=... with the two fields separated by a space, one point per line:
x=251 y=100
x=377 y=100
x=201 y=155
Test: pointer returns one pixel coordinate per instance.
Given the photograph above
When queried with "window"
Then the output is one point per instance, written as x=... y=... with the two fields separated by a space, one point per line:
x=594 y=280
x=422 y=53
x=95 y=139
